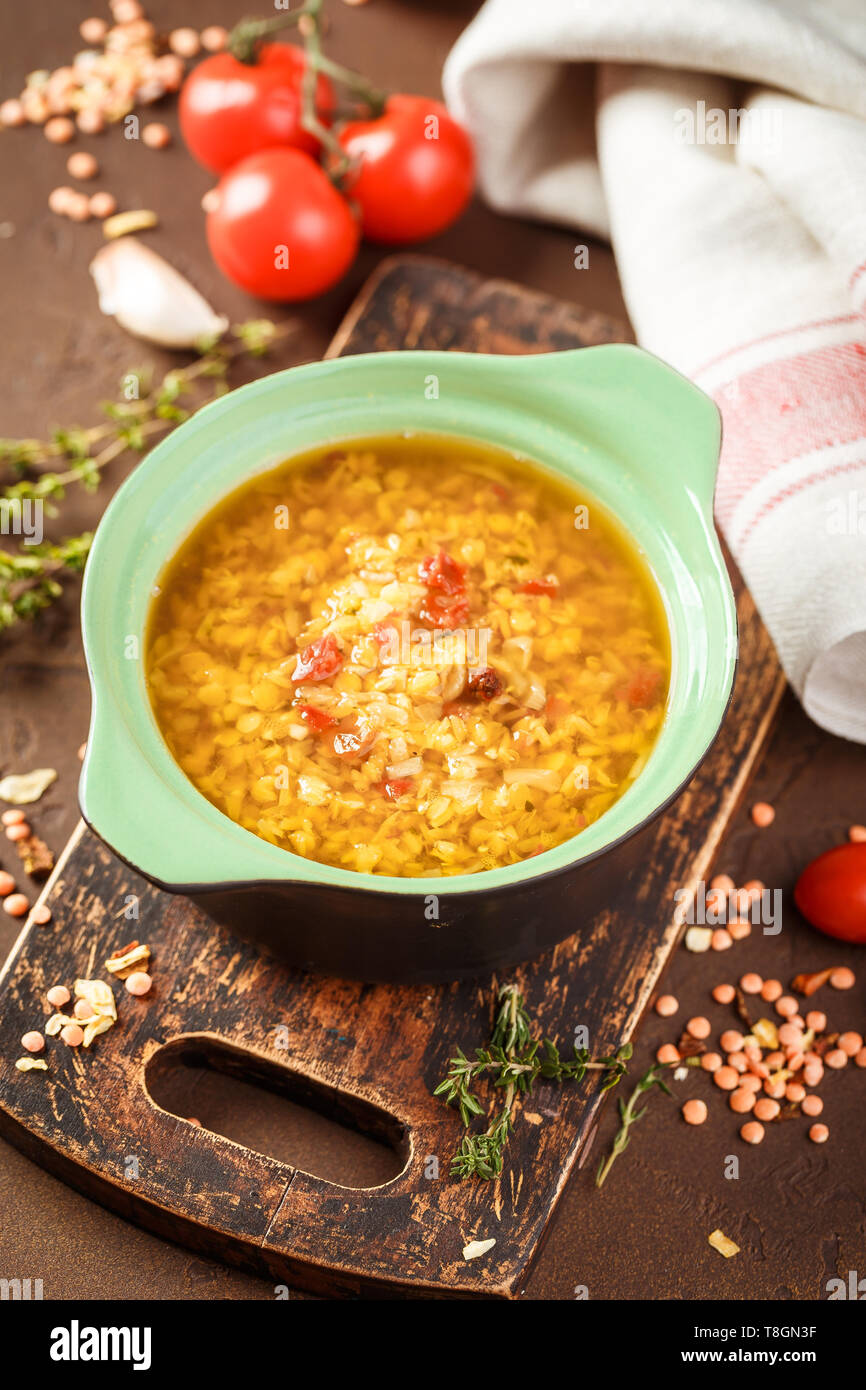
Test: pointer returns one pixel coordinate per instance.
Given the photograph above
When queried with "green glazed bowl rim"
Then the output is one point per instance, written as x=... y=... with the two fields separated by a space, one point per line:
x=639 y=439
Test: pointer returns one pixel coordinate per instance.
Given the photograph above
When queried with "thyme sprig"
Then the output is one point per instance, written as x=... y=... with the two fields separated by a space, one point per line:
x=513 y=1061
x=44 y=469
x=629 y=1115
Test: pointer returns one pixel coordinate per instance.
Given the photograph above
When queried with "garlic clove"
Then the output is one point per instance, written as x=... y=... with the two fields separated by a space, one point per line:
x=149 y=298
x=22 y=788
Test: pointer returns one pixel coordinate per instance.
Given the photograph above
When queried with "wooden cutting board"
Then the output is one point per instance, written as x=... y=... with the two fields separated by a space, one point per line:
x=366 y=1055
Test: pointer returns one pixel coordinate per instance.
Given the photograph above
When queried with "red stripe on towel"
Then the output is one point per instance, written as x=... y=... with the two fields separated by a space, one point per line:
x=834 y=471
x=785 y=409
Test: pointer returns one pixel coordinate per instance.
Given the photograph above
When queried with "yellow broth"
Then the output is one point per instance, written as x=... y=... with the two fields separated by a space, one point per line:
x=409 y=656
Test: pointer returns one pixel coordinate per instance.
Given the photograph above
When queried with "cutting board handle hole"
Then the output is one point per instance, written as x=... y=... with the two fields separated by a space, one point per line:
x=274 y=1110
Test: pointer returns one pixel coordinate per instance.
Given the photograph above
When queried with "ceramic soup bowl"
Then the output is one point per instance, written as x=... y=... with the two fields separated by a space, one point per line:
x=626 y=430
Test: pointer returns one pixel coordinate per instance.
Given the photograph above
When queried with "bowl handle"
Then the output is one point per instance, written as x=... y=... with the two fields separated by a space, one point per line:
x=664 y=428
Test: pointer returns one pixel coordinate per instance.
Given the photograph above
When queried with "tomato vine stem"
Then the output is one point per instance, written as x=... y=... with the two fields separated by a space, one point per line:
x=244 y=42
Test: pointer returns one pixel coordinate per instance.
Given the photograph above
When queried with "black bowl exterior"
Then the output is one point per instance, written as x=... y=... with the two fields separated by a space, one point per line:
x=417 y=939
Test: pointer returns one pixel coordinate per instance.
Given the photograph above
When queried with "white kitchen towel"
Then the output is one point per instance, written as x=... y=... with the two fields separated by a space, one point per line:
x=737 y=210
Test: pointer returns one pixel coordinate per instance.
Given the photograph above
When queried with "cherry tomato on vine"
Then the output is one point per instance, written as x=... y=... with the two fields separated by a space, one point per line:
x=831 y=892
x=229 y=109
x=279 y=228
x=416 y=170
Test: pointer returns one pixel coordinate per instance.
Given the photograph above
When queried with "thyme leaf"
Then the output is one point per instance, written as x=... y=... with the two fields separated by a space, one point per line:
x=39 y=472
x=629 y=1114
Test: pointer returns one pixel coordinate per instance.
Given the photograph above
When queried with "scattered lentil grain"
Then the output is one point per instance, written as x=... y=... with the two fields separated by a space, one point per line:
x=694 y=1112
x=790 y=1035
x=12 y=113
x=139 y=982
x=726 y=1078
x=93 y=30
x=699 y=1027
x=766 y=1109
x=59 y=130
x=666 y=1005
x=90 y=120
x=742 y=1100
x=102 y=205
x=843 y=978
x=752 y=1132
x=214 y=38
x=156 y=135
x=81 y=164
x=78 y=207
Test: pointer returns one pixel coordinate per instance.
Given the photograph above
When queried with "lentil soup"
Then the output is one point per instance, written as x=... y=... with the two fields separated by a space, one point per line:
x=413 y=656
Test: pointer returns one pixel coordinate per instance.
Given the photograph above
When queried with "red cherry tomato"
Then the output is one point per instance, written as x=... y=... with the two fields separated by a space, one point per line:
x=831 y=893
x=279 y=228
x=319 y=661
x=416 y=170
x=229 y=109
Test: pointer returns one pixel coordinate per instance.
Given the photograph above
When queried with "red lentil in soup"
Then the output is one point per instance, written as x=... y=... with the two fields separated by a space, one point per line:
x=414 y=656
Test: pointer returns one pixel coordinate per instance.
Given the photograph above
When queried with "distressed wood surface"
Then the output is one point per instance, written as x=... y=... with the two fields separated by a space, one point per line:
x=369 y=1055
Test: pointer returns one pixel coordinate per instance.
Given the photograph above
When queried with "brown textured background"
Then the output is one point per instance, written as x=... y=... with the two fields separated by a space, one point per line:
x=797 y=1210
